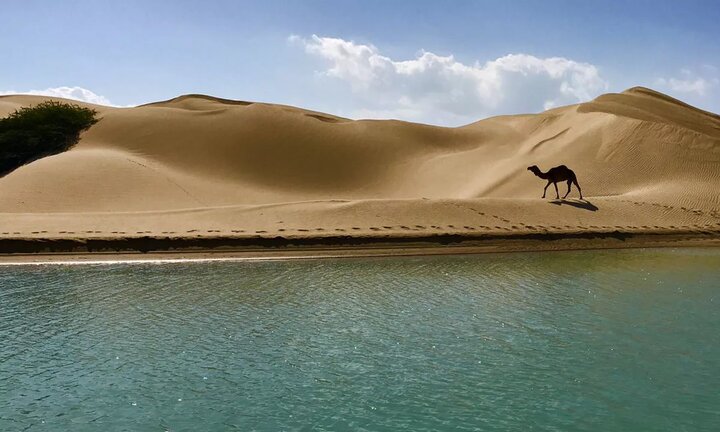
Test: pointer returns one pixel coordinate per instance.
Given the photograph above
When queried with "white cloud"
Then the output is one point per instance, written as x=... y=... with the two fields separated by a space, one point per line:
x=439 y=89
x=689 y=82
x=75 y=93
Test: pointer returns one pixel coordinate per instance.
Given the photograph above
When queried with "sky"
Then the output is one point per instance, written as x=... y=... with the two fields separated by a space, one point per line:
x=447 y=62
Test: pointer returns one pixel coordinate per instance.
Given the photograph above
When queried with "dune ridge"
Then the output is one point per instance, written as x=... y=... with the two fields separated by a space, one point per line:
x=201 y=166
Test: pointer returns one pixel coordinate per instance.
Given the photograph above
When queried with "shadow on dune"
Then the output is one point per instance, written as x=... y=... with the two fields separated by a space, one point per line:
x=582 y=204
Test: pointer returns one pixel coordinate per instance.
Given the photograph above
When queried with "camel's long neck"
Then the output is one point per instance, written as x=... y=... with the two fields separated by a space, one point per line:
x=541 y=174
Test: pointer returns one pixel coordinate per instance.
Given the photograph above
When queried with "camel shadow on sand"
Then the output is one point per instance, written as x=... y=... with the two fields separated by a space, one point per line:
x=581 y=204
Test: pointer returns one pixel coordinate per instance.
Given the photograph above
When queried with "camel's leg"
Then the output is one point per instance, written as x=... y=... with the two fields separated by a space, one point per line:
x=568 y=192
x=557 y=192
x=545 y=190
x=578 y=187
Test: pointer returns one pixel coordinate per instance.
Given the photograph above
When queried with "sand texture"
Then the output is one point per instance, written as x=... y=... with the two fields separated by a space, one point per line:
x=198 y=167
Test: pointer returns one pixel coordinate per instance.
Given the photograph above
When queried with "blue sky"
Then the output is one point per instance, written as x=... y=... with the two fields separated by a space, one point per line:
x=442 y=62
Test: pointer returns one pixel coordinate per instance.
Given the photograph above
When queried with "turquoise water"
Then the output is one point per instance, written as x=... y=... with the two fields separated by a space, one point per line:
x=572 y=341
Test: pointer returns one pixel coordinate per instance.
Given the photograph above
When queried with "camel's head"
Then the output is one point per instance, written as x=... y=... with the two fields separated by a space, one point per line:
x=535 y=170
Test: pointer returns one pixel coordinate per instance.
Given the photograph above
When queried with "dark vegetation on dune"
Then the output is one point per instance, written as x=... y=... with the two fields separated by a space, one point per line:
x=32 y=133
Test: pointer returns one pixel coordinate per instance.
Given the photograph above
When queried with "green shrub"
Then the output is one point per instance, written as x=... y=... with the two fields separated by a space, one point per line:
x=46 y=129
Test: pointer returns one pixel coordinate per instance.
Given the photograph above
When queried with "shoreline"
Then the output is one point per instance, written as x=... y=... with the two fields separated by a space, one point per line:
x=165 y=249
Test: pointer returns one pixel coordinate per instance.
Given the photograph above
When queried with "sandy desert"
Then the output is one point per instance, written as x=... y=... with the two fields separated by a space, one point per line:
x=199 y=172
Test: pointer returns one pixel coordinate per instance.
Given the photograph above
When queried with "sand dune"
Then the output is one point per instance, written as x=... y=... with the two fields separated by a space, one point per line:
x=203 y=166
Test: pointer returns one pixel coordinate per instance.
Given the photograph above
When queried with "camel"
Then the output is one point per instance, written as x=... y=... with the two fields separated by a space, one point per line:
x=555 y=175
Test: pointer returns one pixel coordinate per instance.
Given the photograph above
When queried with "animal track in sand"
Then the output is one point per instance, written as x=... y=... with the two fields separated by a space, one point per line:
x=695 y=212
x=481 y=213
x=501 y=218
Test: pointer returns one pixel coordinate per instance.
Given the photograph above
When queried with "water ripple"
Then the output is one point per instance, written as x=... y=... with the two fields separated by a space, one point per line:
x=614 y=340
